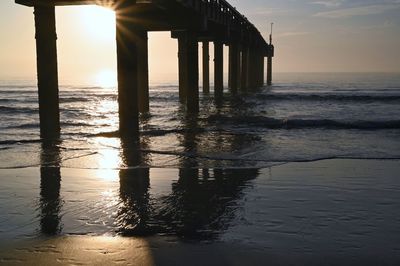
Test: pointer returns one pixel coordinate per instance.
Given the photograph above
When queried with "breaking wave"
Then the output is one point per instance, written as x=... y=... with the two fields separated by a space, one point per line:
x=273 y=123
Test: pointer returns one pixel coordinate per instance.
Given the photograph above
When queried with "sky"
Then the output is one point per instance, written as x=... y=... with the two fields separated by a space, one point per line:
x=309 y=36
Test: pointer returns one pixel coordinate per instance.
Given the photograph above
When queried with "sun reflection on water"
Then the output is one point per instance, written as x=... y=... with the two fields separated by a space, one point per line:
x=104 y=114
x=109 y=160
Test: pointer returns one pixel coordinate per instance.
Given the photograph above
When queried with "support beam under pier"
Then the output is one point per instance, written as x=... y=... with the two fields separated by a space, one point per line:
x=46 y=52
x=262 y=69
x=244 y=68
x=192 y=103
x=127 y=64
x=251 y=84
x=143 y=71
x=269 y=62
x=189 y=70
x=182 y=65
x=256 y=68
x=234 y=66
x=218 y=69
x=269 y=70
x=206 y=67
x=260 y=60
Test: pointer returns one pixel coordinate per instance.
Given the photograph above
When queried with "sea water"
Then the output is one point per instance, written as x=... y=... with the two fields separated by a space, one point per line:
x=303 y=117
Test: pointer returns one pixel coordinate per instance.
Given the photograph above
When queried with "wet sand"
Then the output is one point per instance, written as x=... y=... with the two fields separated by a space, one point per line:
x=84 y=250
x=77 y=250
x=330 y=212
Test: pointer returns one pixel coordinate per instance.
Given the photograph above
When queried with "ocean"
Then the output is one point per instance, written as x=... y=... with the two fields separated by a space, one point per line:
x=307 y=166
x=303 y=117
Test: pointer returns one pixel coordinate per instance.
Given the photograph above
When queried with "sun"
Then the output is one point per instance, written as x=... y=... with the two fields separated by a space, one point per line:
x=106 y=78
x=98 y=21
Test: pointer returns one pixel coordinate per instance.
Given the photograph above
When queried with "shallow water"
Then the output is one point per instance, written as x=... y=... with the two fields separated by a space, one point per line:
x=301 y=118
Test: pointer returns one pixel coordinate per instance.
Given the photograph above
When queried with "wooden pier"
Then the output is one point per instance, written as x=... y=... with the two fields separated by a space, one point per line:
x=189 y=21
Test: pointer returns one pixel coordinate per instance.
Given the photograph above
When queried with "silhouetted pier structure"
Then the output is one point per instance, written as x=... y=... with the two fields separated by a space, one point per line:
x=190 y=21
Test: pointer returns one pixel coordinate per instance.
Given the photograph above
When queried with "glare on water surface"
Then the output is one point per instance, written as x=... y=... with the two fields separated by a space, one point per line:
x=109 y=160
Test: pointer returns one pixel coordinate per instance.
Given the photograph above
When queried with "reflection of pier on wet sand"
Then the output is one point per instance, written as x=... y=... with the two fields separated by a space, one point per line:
x=190 y=21
x=294 y=214
x=199 y=205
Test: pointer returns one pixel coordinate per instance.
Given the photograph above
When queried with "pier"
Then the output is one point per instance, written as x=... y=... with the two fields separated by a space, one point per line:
x=190 y=22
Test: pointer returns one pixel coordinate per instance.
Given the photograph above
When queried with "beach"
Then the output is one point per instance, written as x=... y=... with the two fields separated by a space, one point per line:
x=201 y=132
x=329 y=212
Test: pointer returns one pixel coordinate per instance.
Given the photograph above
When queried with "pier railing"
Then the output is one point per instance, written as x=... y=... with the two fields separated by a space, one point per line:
x=221 y=12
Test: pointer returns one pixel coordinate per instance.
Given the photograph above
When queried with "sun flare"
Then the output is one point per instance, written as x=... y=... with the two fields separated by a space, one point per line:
x=98 y=21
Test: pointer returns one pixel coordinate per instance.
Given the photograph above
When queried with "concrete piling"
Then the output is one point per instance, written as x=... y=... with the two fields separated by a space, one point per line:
x=192 y=102
x=269 y=64
x=143 y=71
x=127 y=64
x=218 y=68
x=182 y=68
x=189 y=70
x=47 y=73
x=206 y=67
x=233 y=66
x=244 y=68
x=262 y=69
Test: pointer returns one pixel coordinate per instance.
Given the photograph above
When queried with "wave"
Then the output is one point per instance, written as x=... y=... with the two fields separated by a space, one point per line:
x=154 y=132
x=25 y=100
x=248 y=122
x=74 y=99
x=26 y=126
x=266 y=160
x=19 y=92
x=10 y=142
x=81 y=124
x=8 y=109
x=330 y=97
x=273 y=123
x=62 y=124
x=88 y=98
x=7 y=100
x=17 y=87
x=239 y=163
x=63 y=99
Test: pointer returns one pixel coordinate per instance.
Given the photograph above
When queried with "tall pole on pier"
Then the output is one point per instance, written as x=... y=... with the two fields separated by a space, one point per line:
x=270 y=55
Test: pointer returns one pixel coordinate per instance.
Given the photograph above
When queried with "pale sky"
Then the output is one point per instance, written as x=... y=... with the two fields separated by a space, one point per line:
x=309 y=36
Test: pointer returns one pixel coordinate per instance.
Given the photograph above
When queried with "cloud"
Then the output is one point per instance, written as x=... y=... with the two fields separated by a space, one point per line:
x=385 y=25
x=268 y=11
x=357 y=11
x=329 y=3
x=353 y=3
x=293 y=33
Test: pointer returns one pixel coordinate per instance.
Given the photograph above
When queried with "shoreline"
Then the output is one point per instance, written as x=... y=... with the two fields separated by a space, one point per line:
x=267 y=166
